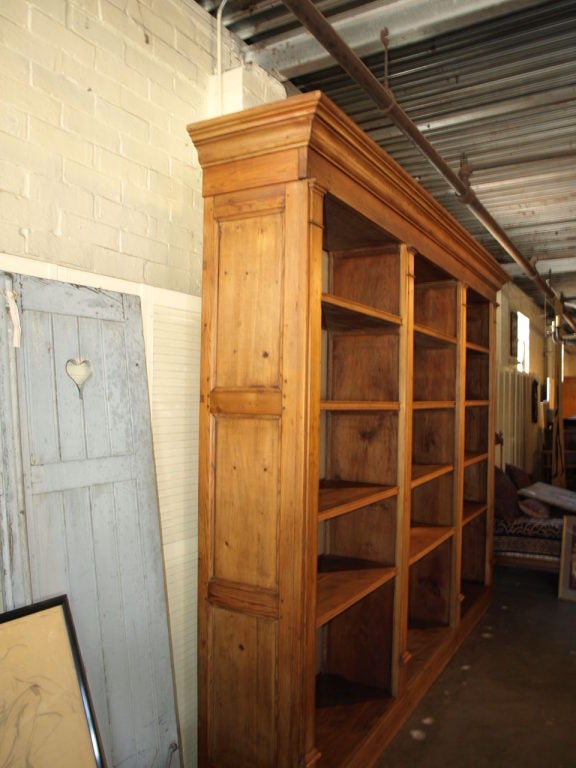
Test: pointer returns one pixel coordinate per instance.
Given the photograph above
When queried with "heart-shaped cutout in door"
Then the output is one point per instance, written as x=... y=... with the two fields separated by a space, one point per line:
x=79 y=371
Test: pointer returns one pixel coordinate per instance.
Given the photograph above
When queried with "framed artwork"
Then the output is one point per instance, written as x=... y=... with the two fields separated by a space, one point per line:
x=46 y=715
x=567 y=579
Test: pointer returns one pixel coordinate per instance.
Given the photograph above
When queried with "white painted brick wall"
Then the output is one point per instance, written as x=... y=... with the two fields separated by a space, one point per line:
x=96 y=169
x=98 y=174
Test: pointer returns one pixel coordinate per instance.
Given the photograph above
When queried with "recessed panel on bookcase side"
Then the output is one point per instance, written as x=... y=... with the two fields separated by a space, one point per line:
x=246 y=499
x=250 y=300
x=243 y=692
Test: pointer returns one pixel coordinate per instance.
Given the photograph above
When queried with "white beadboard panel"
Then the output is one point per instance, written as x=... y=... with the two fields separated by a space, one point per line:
x=513 y=419
x=175 y=405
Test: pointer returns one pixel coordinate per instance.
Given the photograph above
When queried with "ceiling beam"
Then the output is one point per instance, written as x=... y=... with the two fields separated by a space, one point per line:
x=313 y=20
x=296 y=53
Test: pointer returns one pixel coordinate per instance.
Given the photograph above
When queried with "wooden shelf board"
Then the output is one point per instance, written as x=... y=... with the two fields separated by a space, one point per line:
x=473 y=347
x=472 y=510
x=477 y=403
x=474 y=457
x=425 y=538
x=341 y=727
x=430 y=405
x=471 y=594
x=342 y=314
x=423 y=644
x=343 y=581
x=338 y=498
x=430 y=337
x=424 y=473
x=359 y=405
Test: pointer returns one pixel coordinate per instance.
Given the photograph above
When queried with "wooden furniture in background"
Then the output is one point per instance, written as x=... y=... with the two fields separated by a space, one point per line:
x=346 y=463
x=569 y=397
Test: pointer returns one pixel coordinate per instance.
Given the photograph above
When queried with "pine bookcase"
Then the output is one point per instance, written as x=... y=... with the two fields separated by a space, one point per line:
x=346 y=439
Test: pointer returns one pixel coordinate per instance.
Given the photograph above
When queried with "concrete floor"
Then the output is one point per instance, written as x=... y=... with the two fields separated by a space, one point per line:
x=508 y=697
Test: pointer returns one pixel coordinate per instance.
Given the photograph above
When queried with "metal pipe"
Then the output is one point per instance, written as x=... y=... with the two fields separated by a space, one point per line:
x=219 y=84
x=311 y=18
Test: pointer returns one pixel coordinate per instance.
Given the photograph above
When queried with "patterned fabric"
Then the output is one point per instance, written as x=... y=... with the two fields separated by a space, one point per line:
x=529 y=537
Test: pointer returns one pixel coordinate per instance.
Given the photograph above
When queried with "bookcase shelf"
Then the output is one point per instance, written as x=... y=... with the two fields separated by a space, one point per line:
x=337 y=497
x=425 y=538
x=344 y=581
x=346 y=413
x=342 y=314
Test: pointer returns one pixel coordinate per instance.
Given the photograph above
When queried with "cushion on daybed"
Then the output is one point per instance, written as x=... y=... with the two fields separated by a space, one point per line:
x=527 y=531
x=534 y=508
x=505 y=496
x=519 y=476
x=529 y=538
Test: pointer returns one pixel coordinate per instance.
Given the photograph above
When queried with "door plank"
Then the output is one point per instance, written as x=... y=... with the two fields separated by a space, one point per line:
x=91 y=508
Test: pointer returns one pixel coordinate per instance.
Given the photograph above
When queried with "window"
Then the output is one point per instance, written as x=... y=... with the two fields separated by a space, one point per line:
x=523 y=345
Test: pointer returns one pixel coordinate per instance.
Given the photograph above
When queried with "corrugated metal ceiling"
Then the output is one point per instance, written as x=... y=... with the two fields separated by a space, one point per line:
x=491 y=81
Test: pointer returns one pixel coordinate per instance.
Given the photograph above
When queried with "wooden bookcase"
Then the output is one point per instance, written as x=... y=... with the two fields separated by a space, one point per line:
x=345 y=439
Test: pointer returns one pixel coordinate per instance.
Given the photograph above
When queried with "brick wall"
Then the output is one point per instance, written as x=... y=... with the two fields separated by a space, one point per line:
x=96 y=169
x=99 y=185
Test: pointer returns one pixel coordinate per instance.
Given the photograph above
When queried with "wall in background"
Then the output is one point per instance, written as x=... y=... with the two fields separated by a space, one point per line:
x=97 y=171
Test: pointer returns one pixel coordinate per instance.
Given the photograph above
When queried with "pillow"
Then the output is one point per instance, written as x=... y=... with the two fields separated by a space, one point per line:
x=534 y=508
x=504 y=496
x=519 y=477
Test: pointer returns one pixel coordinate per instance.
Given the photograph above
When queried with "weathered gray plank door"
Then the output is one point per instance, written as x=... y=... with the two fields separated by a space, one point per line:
x=89 y=493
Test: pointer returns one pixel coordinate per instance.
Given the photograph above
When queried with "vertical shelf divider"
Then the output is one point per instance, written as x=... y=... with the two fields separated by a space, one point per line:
x=406 y=378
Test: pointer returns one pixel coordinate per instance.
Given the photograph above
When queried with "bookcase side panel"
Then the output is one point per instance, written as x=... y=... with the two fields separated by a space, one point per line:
x=255 y=492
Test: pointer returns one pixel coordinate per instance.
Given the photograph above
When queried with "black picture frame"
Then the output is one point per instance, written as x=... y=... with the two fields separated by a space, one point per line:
x=48 y=715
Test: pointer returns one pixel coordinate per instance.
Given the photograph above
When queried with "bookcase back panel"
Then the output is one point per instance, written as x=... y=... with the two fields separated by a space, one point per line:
x=476 y=482
x=476 y=429
x=430 y=588
x=433 y=502
x=477 y=376
x=477 y=320
x=246 y=499
x=362 y=278
x=364 y=367
x=435 y=306
x=474 y=550
x=362 y=447
x=368 y=533
x=359 y=641
x=434 y=372
x=250 y=276
x=433 y=437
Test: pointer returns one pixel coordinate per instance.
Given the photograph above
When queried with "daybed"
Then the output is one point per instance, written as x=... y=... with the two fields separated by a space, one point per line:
x=527 y=531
